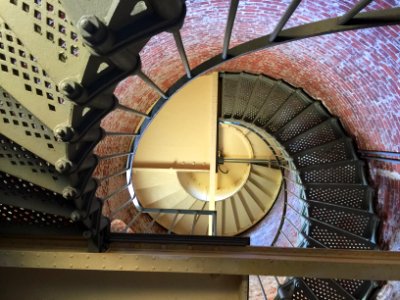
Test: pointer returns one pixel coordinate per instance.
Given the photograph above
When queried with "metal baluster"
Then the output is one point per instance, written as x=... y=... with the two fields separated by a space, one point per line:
x=151 y=84
x=131 y=110
x=195 y=219
x=352 y=12
x=113 y=175
x=182 y=52
x=173 y=223
x=120 y=208
x=132 y=221
x=109 y=196
x=109 y=133
x=262 y=287
x=149 y=225
x=287 y=238
x=229 y=25
x=282 y=22
x=115 y=155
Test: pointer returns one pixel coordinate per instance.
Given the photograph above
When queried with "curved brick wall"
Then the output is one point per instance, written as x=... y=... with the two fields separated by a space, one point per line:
x=356 y=75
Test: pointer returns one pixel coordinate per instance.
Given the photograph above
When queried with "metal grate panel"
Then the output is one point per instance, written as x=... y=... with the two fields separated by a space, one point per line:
x=21 y=193
x=18 y=124
x=342 y=172
x=243 y=93
x=357 y=288
x=326 y=289
x=47 y=27
x=258 y=97
x=291 y=108
x=308 y=118
x=279 y=93
x=337 y=240
x=19 y=162
x=28 y=82
x=21 y=216
x=359 y=223
x=229 y=87
x=316 y=136
x=339 y=150
x=352 y=196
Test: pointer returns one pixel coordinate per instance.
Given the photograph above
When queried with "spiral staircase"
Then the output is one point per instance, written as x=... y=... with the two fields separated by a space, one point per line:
x=52 y=103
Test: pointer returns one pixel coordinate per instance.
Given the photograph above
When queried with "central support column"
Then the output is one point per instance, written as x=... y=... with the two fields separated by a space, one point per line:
x=213 y=152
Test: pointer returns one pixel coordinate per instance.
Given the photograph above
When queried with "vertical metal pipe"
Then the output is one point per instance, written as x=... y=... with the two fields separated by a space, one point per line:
x=150 y=82
x=282 y=22
x=131 y=110
x=182 y=52
x=352 y=12
x=229 y=25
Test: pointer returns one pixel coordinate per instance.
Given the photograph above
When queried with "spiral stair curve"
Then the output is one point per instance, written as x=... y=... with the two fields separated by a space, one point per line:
x=338 y=201
x=48 y=131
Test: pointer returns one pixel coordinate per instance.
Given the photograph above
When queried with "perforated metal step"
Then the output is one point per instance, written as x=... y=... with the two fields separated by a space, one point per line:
x=17 y=123
x=346 y=195
x=323 y=133
x=295 y=289
x=228 y=91
x=335 y=238
x=361 y=223
x=338 y=150
x=340 y=172
x=17 y=192
x=327 y=289
x=308 y=118
x=359 y=289
x=278 y=95
x=243 y=93
x=258 y=97
x=19 y=162
x=296 y=103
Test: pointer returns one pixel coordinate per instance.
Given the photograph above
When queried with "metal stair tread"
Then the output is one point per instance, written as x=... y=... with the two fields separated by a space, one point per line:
x=293 y=105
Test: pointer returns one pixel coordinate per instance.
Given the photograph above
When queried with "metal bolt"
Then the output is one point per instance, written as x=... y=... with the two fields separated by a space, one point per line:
x=63 y=165
x=88 y=25
x=70 y=193
x=64 y=133
x=92 y=29
x=71 y=89
x=75 y=216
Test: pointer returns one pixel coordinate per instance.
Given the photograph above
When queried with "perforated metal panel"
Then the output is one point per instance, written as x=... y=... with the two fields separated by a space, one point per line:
x=316 y=136
x=352 y=196
x=308 y=118
x=243 y=93
x=356 y=222
x=339 y=150
x=279 y=93
x=21 y=163
x=258 y=97
x=343 y=172
x=19 y=124
x=229 y=87
x=27 y=82
x=357 y=288
x=20 y=216
x=43 y=24
x=21 y=193
x=337 y=240
x=291 y=108
x=326 y=289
